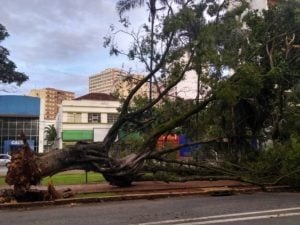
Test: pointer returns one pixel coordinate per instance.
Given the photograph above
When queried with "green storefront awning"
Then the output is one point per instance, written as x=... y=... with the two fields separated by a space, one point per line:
x=77 y=135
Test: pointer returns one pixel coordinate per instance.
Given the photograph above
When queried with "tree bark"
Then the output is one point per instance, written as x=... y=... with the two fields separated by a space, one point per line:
x=28 y=168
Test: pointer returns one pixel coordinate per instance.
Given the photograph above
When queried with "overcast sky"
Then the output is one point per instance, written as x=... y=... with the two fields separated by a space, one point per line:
x=59 y=43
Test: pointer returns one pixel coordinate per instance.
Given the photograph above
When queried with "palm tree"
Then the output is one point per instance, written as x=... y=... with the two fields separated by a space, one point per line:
x=51 y=134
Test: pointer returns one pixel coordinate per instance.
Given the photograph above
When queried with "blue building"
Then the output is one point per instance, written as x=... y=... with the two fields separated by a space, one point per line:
x=19 y=114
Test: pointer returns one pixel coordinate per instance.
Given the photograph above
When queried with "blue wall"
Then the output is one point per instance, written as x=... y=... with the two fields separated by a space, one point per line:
x=186 y=151
x=15 y=144
x=13 y=105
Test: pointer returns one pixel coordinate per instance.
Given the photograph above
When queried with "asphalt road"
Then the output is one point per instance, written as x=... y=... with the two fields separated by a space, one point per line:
x=254 y=209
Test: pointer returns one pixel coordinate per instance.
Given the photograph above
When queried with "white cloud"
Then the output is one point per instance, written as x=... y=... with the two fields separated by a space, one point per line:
x=58 y=43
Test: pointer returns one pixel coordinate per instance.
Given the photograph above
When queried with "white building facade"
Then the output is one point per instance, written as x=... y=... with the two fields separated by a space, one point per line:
x=85 y=120
x=188 y=88
x=259 y=4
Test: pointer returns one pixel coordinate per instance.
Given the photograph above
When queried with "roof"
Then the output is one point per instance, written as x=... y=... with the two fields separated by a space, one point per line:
x=97 y=96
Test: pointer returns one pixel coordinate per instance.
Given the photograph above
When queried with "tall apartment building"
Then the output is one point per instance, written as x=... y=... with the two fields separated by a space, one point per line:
x=52 y=99
x=116 y=81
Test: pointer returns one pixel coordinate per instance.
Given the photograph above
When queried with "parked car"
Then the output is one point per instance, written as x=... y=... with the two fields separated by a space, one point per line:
x=4 y=159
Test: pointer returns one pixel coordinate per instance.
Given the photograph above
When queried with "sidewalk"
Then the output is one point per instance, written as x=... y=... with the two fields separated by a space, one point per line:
x=151 y=186
x=143 y=186
x=143 y=190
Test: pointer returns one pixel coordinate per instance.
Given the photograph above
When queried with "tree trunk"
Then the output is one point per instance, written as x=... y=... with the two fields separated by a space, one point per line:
x=28 y=168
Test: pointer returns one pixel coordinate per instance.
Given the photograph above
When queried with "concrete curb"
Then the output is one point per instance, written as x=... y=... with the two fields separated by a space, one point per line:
x=212 y=191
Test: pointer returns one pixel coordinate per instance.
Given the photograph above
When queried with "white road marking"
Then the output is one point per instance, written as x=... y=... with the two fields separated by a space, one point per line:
x=241 y=219
x=189 y=220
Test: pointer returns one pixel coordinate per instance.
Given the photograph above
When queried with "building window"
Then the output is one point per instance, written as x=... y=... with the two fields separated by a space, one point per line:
x=94 y=118
x=10 y=129
x=112 y=117
x=74 y=117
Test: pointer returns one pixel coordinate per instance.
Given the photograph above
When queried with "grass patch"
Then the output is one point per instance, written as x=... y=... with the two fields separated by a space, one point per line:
x=68 y=178
x=2 y=181
x=74 y=178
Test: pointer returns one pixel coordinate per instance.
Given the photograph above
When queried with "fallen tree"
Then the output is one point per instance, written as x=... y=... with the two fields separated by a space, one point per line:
x=184 y=42
x=27 y=168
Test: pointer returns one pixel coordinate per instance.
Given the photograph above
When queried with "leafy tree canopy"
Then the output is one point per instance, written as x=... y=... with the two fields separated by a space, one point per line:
x=8 y=73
